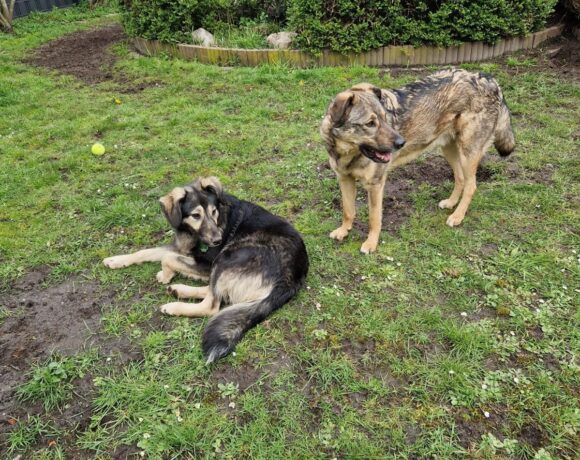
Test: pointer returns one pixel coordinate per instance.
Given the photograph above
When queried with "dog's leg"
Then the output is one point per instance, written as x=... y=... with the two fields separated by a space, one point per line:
x=173 y=263
x=348 y=192
x=469 y=167
x=207 y=307
x=145 y=255
x=182 y=291
x=451 y=154
x=375 y=193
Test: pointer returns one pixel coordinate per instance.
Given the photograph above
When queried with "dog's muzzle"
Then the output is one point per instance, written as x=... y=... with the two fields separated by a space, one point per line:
x=382 y=154
x=377 y=155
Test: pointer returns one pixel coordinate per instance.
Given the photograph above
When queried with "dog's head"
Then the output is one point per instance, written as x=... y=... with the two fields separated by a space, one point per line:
x=198 y=209
x=356 y=119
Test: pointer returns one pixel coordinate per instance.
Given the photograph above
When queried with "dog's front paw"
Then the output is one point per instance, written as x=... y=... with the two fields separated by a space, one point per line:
x=163 y=277
x=178 y=290
x=173 y=290
x=339 y=234
x=455 y=219
x=447 y=204
x=172 y=308
x=368 y=246
x=116 y=262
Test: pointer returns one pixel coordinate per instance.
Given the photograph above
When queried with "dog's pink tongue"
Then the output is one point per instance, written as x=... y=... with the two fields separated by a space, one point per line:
x=384 y=156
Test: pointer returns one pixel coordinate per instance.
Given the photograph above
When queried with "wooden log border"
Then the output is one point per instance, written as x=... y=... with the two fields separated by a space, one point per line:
x=386 y=56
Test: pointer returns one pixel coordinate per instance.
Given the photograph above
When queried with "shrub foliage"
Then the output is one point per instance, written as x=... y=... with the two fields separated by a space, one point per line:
x=174 y=20
x=351 y=25
x=345 y=25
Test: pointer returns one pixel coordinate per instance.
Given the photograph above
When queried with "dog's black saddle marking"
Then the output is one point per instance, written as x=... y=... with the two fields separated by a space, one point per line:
x=236 y=225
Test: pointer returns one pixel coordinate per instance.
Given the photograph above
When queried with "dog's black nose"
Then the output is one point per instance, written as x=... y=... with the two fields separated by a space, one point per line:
x=399 y=142
x=217 y=242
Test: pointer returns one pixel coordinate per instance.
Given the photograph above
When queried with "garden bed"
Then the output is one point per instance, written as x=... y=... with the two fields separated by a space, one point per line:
x=385 y=56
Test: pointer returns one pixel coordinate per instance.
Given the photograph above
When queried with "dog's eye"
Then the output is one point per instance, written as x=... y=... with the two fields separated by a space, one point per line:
x=214 y=213
x=196 y=216
x=371 y=124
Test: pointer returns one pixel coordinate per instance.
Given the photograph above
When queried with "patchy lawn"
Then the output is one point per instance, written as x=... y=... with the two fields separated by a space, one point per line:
x=447 y=343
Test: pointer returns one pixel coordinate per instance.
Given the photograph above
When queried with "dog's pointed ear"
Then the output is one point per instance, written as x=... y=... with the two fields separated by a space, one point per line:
x=212 y=185
x=370 y=88
x=340 y=107
x=171 y=205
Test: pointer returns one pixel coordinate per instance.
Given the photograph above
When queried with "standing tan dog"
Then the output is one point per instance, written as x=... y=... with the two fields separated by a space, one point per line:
x=370 y=131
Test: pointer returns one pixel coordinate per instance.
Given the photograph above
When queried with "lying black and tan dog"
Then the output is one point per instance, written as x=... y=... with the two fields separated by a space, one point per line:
x=370 y=131
x=255 y=261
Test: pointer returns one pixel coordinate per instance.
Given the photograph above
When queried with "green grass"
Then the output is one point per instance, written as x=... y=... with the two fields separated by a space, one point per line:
x=241 y=37
x=251 y=33
x=395 y=355
x=51 y=383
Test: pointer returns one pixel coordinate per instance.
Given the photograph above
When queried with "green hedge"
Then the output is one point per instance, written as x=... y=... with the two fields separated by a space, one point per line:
x=345 y=25
x=349 y=25
x=174 y=20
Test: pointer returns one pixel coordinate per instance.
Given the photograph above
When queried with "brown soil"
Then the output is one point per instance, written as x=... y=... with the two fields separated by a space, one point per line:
x=560 y=55
x=87 y=56
x=63 y=319
x=398 y=202
x=84 y=54
x=434 y=170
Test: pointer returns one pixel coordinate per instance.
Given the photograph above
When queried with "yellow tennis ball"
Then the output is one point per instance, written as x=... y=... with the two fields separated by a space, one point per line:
x=98 y=149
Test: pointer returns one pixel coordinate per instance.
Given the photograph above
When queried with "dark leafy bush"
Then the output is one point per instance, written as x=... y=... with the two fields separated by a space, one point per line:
x=340 y=25
x=174 y=20
x=350 y=25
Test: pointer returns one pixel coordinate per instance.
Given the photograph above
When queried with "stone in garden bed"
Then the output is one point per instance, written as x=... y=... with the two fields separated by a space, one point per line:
x=281 y=40
x=202 y=37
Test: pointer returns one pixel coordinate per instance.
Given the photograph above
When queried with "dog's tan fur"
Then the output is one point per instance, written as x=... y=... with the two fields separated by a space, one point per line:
x=255 y=262
x=364 y=127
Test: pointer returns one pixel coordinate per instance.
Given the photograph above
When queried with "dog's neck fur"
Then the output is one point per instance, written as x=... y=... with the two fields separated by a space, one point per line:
x=335 y=150
x=392 y=103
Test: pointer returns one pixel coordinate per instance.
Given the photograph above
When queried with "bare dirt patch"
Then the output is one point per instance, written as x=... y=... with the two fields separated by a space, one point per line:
x=62 y=318
x=559 y=55
x=87 y=55
x=398 y=203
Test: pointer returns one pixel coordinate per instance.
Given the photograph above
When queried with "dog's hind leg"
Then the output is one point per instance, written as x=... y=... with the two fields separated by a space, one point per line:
x=469 y=164
x=209 y=306
x=173 y=263
x=182 y=291
x=474 y=138
x=348 y=192
x=145 y=255
x=451 y=154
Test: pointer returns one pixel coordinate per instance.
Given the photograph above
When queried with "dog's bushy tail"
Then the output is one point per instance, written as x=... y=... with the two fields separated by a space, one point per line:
x=505 y=142
x=227 y=328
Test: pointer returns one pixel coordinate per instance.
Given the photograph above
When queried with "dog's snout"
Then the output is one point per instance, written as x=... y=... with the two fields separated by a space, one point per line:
x=399 y=142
